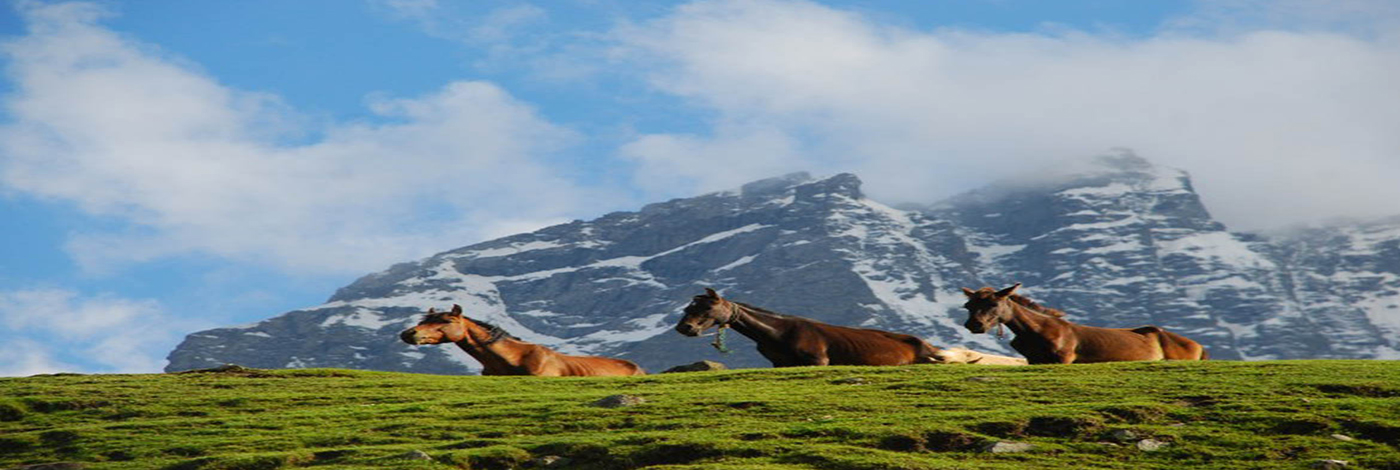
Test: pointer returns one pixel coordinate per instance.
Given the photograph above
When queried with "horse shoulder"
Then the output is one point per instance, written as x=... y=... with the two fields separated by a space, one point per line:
x=545 y=362
x=812 y=338
x=1037 y=349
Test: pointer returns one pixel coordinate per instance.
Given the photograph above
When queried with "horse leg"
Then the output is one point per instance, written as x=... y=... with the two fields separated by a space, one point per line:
x=1067 y=357
x=812 y=358
x=1069 y=352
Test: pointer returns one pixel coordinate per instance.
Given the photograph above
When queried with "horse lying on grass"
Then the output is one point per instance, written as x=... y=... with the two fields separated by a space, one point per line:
x=789 y=341
x=968 y=356
x=502 y=354
x=1046 y=338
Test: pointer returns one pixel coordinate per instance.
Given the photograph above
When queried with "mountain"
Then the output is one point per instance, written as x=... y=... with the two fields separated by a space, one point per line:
x=1117 y=243
x=1128 y=243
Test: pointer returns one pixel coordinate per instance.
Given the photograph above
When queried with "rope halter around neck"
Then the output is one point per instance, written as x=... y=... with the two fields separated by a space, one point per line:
x=719 y=333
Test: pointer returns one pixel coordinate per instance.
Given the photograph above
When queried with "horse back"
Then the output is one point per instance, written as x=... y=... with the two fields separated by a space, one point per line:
x=865 y=346
x=1174 y=346
x=602 y=366
x=1180 y=348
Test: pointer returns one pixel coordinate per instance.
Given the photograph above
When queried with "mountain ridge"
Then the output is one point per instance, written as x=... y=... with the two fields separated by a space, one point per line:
x=1122 y=244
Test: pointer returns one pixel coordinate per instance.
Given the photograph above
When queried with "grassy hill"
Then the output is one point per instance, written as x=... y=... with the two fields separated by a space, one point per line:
x=1215 y=414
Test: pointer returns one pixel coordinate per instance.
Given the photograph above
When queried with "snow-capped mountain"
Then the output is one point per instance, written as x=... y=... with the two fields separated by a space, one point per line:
x=1121 y=243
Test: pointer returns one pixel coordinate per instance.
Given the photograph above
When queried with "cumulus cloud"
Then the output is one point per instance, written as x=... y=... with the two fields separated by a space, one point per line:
x=1278 y=124
x=123 y=130
x=50 y=330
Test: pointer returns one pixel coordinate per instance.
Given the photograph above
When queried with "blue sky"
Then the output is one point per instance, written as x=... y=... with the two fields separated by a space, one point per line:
x=167 y=166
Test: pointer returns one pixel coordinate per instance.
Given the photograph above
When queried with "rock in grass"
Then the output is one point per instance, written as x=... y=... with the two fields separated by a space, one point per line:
x=1004 y=447
x=551 y=461
x=702 y=366
x=1329 y=464
x=1343 y=437
x=1123 y=435
x=850 y=381
x=414 y=454
x=1150 y=445
x=619 y=401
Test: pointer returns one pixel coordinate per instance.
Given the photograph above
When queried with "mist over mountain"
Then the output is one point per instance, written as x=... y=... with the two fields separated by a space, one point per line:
x=1118 y=242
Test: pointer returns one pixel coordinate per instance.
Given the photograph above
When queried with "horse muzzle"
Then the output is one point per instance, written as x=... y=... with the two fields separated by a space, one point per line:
x=410 y=336
x=688 y=329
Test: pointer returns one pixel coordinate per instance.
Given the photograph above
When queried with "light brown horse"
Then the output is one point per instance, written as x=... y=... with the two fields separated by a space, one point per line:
x=789 y=341
x=1045 y=338
x=502 y=354
x=968 y=356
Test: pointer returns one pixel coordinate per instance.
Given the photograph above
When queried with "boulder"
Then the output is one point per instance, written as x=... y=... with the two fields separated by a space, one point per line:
x=702 y=366
x=1150 y=445
x=1124 y=435
x=414 y=454
x=619 y=401
x=1003 y=447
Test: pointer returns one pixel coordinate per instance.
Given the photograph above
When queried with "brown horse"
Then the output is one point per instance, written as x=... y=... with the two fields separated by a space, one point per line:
x=1045 y=338
x=502 y=354
x=790 y=341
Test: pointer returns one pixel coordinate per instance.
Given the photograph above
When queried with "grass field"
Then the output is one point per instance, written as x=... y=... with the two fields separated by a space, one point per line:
x=1210 y=415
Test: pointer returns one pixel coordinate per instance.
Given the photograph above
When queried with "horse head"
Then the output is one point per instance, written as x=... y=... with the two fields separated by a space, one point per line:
x=956 y=356
x=704 y=312
x=438 y=328
x=985 y=308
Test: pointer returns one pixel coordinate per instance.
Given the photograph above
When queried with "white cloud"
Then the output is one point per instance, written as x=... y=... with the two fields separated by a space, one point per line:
x=671 y=165
x=20 y=357
x=55 y=330
x=123 y=130
x=1278 y=125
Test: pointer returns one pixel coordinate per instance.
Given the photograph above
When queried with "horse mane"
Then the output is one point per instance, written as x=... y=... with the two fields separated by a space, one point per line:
x=496 y=331
x=764 y=310
x=1031 y=304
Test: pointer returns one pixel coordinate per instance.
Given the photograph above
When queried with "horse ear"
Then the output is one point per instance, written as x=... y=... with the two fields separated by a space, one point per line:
x=711 y=292
x=431 y=311
x=968 y=292
x=1007 y=291
x=457 y=309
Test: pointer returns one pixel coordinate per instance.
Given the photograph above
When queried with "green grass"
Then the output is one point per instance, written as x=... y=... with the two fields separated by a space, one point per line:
x=1214 y=414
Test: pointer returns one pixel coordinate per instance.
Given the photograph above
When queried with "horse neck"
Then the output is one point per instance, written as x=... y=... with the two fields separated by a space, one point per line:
x=504 y=353
x=1025 y=320
x=758 y=326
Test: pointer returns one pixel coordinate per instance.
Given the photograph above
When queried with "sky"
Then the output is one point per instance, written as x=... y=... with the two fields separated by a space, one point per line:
x=173 y=165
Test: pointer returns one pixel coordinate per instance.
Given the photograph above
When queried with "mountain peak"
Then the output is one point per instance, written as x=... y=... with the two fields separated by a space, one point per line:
x=776 y=184
x=844 y=184
x=1123 y=159
x=1118 y=165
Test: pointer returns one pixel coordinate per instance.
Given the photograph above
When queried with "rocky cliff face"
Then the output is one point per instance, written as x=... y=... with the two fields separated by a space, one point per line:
x=1120 y=243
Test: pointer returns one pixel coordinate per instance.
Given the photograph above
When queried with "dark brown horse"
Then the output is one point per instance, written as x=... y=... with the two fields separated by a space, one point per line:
x=1046 y=338
x=502 y=354
x=790 y=341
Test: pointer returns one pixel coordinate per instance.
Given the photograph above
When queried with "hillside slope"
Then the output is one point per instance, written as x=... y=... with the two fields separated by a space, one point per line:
x=1209 y=415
